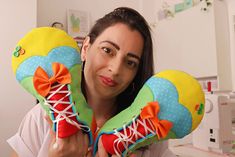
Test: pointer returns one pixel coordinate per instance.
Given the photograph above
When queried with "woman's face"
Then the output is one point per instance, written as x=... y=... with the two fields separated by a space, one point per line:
x=112 y=60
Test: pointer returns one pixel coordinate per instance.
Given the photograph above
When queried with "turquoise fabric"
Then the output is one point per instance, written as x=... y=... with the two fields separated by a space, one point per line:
x=64 y=54
x=167 y=95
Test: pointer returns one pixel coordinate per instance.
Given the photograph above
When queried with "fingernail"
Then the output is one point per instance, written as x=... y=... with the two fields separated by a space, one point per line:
x=55 y=145
x=45 y=116
x=89 y=149
x=133 y=155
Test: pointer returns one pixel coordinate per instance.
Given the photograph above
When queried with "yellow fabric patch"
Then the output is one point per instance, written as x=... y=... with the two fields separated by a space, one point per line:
x=189 y=91
x=36 y=43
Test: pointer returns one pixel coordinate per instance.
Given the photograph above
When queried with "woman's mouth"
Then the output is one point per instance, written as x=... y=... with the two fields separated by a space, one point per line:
x=108 y=81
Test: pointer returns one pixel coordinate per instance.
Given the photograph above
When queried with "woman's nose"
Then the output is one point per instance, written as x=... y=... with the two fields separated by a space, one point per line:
x=115 y=66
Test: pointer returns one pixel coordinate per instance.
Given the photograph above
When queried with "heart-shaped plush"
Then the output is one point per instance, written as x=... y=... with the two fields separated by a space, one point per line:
x=170 y=105
x=47 y=63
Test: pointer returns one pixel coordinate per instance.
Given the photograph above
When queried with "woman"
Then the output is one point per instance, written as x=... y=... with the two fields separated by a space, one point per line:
x=117 y=59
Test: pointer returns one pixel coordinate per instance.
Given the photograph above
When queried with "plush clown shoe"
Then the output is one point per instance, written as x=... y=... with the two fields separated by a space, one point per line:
x=46 y=62
x=170 y=105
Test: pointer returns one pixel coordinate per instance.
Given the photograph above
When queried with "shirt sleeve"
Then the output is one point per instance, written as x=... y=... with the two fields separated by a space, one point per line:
x=159 y=149
x=29 y=138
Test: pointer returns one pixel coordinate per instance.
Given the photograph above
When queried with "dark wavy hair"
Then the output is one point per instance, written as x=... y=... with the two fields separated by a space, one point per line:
x=134 y=21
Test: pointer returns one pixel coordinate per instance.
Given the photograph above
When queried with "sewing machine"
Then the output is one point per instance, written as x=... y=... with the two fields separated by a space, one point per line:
x=215 y=133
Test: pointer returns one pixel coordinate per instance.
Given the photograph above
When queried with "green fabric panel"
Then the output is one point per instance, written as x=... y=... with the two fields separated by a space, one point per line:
x=27 y=83
x=85 y=113
x=125 y=117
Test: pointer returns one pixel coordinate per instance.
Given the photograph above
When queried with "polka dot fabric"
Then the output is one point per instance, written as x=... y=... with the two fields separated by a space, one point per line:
x=65 y=55
x=167 y=96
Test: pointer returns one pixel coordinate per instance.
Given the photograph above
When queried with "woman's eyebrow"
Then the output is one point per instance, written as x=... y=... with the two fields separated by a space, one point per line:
x=112 y=43
x=118 y=48
x=133 y=55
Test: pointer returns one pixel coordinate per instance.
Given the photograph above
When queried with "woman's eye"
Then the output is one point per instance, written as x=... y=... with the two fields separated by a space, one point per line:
x=131 y=64
x=106 y=50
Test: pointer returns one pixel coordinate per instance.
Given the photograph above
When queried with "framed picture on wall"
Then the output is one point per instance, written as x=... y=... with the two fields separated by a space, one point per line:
x=78 y=23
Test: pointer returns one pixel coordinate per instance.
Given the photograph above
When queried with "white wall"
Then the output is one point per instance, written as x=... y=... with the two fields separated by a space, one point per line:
x=187 y=42
x=17 y=17
x=56 y=10
x=198 y=42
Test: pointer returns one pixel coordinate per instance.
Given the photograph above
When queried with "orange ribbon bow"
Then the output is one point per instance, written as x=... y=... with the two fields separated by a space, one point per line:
x=162 y=127
x=42 y=83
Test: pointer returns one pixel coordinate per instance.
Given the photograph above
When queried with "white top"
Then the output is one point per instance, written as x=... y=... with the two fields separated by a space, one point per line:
x=33 y=138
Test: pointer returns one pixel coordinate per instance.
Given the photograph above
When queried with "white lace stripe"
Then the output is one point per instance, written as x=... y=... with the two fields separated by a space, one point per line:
x=153 y=128
x=56 y=102
x=56 y=91
x=64 y=114
x=125 y=140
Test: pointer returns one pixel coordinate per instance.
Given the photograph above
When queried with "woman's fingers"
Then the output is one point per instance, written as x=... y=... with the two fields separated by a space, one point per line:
x=72 y=146
x=79 y=141
x=49 y=121
x=86 y=139
x=89 y=154
x=52 y=133
x=86 y=142
x=133 y=155
x=101 y=151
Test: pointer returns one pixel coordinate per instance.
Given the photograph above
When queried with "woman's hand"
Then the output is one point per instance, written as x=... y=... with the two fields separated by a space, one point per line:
x=102 y=153
x=72 y=146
